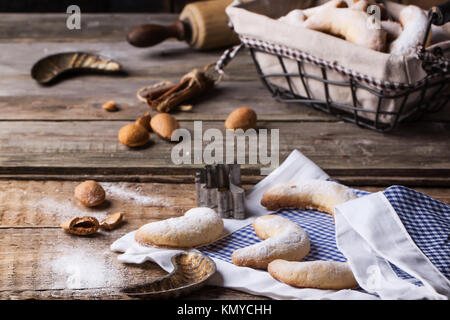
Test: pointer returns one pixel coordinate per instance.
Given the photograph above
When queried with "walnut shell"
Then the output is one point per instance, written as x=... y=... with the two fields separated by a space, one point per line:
x=242 y=118
x=90 y=193
x=81 y=226
x=110 y=106
x=111 y=221
x=163 y=124
x=145 y=121
x=133 y=135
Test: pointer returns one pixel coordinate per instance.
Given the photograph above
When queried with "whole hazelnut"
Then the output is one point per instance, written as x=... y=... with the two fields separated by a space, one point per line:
x=90 y=193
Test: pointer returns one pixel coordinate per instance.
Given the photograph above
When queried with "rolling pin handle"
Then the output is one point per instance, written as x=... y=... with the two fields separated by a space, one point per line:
x=148 y=35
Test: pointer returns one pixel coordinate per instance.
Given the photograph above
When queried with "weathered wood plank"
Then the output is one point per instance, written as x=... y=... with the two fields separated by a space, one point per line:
x=165 y=61
x=206 y=293
x=42 y=264
x=51 y=264
x=49 y=203
x=375 y=180
x=52 y=26
x=33 y=267
x=341 y=149
x=40 y=261
x=45 y=204
x=77 y=100
x=80 y=98
x=441 y=194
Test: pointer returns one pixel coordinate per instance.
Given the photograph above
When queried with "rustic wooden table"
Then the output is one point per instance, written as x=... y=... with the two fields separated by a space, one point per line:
x=53 y=137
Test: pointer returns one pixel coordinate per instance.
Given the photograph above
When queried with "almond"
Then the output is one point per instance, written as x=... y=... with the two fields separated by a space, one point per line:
x=110 y=106
x=242 y=118
x=145 y=121
x=163 y=124
x=81 y=226
x=90 y=193
x=133 y=135
x=112 y=221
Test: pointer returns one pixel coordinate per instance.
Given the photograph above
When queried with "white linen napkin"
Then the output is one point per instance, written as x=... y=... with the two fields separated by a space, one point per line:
x=295 y=168
x=371 y=235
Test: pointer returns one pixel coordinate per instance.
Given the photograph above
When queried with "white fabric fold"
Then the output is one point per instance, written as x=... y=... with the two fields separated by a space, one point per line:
x=371 y=236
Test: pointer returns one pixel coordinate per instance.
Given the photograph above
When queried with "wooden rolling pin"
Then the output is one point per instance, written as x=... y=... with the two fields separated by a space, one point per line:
x=203 y=25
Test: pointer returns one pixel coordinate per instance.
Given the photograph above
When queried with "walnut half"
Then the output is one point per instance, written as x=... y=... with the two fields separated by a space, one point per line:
x=81 y=226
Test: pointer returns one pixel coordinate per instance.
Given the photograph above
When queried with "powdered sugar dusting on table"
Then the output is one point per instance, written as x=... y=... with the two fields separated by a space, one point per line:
x=66 y=209
x=122 y=192
x=79 y=269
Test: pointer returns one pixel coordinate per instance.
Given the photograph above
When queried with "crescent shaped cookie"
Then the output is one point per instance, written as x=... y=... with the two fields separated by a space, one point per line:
x=313 y=274
x=414 y=22
x=308 y=194
x=297 y=17
x=198 y=226
x=349 y=24
x=283 y=239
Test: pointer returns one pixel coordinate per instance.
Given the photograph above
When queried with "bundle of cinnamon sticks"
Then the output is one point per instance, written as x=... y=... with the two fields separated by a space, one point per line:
x=171 y=97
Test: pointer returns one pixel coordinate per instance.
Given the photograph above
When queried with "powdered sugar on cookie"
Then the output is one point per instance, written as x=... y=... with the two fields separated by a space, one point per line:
x=313 y=274
x=313 y=194
x=283 y=239
x=415 y=23
x=198 y=226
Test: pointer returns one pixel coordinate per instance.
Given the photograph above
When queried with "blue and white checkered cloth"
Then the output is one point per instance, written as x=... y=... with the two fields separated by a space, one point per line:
x=320 y=228
x=427 y=221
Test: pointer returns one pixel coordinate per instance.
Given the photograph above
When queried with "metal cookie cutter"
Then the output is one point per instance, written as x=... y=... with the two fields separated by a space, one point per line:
x=219 y=187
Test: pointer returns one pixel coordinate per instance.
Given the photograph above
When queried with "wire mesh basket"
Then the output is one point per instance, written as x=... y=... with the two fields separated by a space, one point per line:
x=439 y=90
x=411 y=101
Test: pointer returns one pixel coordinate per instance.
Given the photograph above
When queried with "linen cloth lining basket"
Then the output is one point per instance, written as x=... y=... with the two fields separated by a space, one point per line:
x=372 y=89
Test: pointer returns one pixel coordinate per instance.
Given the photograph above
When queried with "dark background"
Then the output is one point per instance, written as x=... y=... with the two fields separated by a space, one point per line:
x=93 y=5
x=128 y=5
